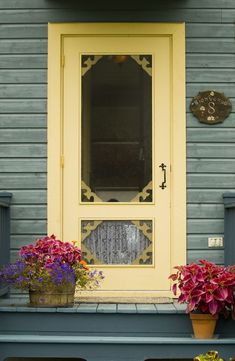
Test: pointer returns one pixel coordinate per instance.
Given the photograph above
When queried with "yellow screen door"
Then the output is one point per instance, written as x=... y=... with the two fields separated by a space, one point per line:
x=116 y=145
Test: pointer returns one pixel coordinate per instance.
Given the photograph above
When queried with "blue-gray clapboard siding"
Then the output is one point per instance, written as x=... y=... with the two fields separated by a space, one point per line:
x=23 y=93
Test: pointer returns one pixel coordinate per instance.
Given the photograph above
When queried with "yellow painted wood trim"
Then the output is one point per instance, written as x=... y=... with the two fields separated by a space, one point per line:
x=54 y=169
x=178 y=149
x=112 y=29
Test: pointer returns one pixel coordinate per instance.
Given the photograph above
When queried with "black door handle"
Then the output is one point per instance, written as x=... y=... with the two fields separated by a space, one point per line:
x=163 y=166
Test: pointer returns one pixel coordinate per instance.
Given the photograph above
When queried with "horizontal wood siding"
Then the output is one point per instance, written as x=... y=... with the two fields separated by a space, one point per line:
x=210 y=62
x=210 y=149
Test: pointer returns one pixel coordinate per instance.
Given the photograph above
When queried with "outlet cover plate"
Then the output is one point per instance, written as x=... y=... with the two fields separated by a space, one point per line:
x=215 y=242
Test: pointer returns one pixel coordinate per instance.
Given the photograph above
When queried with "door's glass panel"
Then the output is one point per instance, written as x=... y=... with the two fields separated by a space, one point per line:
x=112 y=242
x=116 y=128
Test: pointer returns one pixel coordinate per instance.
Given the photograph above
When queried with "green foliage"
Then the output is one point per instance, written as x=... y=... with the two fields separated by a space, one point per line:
x=209 y=356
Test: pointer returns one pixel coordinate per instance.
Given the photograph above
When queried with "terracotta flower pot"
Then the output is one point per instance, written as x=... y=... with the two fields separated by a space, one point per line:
x=64 y=298
x=203 y=324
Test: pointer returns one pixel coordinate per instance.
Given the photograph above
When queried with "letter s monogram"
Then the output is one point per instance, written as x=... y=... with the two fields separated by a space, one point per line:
x=211 y=109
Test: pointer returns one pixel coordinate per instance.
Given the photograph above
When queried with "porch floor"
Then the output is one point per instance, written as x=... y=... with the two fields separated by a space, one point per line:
x=21 y=303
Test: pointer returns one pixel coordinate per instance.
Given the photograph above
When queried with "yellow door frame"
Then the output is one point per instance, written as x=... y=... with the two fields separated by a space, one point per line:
x=176 y=34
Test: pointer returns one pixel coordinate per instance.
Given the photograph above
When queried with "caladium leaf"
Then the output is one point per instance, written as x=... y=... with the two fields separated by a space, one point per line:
x=221 y=294
x=174 y=288
x=213 y=307
x=209 y=297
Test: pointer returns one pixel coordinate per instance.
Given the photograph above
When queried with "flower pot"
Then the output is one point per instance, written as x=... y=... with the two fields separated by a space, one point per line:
x=203 y=324
x=53 y=298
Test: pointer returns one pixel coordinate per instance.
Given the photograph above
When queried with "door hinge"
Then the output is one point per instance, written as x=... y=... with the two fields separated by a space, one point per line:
x=62 y=161
x=62 y=61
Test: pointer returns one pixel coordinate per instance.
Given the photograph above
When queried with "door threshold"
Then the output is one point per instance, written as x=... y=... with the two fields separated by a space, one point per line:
x=125 y=300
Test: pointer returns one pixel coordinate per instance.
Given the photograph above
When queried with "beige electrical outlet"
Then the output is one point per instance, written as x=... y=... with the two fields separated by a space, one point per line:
x=215 y=242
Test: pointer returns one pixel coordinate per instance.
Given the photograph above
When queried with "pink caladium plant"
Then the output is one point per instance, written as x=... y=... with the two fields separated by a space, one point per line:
x=50 y=264
x=205 y=287
x=49 y=250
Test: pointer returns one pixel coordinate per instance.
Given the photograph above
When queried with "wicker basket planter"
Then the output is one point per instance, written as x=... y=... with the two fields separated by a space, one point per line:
x=54 y=298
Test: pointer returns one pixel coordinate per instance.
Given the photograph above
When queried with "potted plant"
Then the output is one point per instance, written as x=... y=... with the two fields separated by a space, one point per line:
x=208 y=290
x=209 y=356
x=50 y=270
